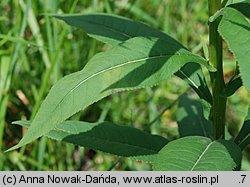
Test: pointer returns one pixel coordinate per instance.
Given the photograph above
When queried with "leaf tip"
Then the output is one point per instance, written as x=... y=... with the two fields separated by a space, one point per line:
x=13 y=148
x=15 y=122
x=25 y=140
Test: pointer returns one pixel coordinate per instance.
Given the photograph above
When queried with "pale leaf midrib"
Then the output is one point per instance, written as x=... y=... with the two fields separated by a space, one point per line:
x=111 y=68
x=95 y=74
x=189 y=79
x=200 y=157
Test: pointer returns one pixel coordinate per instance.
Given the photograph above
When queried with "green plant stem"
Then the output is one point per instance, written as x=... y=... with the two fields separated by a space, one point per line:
x=217 y=78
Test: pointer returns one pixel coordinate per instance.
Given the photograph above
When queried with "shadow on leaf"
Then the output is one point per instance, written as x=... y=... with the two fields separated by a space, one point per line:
x=191 y=120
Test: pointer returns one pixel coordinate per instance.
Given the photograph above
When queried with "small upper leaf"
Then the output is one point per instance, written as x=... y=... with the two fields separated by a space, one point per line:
x=198 y=154
x=136 y=63
x=108 y=137
x=235 y=29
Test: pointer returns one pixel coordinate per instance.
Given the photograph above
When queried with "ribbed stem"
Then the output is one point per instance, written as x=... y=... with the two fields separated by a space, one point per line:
x=217 y=78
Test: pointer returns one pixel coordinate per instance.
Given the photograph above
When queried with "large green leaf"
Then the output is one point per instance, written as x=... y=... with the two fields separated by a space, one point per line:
x=235 y=30
x=243 y=138
x=196 y=153
x=190 y=118
x=113 y=30
x=108 y=137
x=136 y=63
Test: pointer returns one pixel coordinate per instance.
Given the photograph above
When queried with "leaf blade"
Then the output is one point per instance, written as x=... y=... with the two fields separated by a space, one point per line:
x=235 y=30
x=112 y=29
x=243 y=137
x=108 y=137
x=201 y=154
x=137 y=63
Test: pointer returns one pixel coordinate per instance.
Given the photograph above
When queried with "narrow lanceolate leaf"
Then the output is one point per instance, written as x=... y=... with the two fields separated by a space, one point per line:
x=243 y=138
x=235 y=30
x=113 y=30
x=190 y=118
x=136 y=63
x=196 y=153
x=107 y=137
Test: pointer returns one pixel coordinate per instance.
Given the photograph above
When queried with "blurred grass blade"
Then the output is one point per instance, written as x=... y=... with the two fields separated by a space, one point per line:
x=4 y=69
x=113 y=30
x=18 y=40
x=3 y=110
x=105 y=136
x=196 y=153
x=35 y=29
x=4 y=97
x=138 y=12
x=139 y=62
x=8 y=65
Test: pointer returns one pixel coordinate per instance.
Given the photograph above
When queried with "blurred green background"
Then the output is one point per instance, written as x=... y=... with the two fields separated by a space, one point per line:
x=36 y=50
